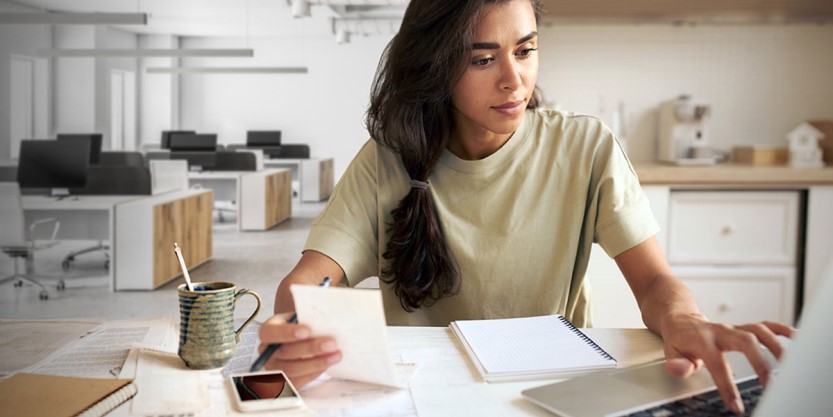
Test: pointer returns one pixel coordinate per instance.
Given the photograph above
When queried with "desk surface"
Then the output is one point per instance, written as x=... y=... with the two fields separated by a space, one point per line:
x=230 y=175
x=86 y=202
x=447 y=384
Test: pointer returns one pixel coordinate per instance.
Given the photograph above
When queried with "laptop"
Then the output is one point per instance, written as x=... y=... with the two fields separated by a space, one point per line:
x=801 y=385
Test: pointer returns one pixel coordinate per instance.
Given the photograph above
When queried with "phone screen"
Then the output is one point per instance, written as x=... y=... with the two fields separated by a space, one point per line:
x=263 y=387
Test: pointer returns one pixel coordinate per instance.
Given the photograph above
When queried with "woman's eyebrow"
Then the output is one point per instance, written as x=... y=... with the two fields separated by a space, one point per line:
x=495 y=45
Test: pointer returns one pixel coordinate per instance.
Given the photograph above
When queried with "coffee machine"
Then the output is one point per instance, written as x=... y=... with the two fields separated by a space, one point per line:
x=682 y=132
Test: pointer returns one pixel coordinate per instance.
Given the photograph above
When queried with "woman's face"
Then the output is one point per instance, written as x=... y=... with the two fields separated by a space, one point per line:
x=493 y=93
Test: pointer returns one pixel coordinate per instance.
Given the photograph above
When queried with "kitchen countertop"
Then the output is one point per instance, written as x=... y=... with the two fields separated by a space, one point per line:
x=729 y=175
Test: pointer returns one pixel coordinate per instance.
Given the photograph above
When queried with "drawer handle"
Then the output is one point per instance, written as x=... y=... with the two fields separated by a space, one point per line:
x=724 y=307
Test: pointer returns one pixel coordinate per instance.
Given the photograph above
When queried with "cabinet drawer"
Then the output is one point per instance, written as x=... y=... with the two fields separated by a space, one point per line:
x=733 y=227
x=743 y=294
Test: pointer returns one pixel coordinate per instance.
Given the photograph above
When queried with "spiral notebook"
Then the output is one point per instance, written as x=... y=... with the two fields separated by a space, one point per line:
x=543 y=347
x=25 y=395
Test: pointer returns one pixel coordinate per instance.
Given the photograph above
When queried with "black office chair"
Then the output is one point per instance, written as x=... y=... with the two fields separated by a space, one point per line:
x=110 y=180
x=149 y=156
x=8 y=173
x=235 y=161
x=292 y=151
x=129 y=158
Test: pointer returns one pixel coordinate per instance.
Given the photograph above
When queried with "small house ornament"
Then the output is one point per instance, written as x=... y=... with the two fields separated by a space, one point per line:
x=804 y=146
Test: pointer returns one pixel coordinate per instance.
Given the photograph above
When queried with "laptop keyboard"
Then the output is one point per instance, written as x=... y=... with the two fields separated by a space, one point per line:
x=707 y=404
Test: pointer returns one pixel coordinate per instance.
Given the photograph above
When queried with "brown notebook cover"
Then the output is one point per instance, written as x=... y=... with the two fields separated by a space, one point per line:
x=33 y=395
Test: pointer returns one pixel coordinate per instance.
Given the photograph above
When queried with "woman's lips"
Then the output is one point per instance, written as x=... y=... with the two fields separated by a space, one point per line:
x=510 y=108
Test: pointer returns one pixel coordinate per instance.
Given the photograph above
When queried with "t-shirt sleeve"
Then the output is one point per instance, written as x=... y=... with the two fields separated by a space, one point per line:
x=346 y=230
x=624 y=218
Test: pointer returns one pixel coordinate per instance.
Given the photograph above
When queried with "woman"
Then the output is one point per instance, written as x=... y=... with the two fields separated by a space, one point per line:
x=470 y=202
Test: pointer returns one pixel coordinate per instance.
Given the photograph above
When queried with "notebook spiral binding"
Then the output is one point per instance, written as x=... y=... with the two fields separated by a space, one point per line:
x=111 y=402
x=586 y=339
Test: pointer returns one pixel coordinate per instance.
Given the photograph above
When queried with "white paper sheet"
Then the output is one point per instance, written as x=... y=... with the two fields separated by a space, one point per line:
x=102 y=354
x=356 y=319
x=167 y=386
x=24 y=343
x=332 y=397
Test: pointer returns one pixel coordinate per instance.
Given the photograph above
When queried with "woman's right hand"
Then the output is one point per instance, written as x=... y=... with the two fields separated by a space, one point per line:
x=301 y=357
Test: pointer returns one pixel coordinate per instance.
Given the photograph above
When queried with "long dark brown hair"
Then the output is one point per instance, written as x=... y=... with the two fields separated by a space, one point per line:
x=411 y=112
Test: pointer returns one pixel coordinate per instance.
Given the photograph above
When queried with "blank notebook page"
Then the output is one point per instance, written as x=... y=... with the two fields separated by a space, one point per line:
x=530 y=344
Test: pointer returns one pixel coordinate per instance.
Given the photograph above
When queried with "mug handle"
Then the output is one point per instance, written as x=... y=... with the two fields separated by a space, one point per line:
x=239 y=294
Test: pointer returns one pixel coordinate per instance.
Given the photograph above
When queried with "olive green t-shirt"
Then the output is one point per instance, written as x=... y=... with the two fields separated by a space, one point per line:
x=520 y=223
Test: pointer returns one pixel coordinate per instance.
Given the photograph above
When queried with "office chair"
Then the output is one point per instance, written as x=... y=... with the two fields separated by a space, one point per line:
x=129 y=158
x=156 y=155
x=110 y=180
x=8 y=173
x=235 y=161
x=293 y=151
x=14 y=240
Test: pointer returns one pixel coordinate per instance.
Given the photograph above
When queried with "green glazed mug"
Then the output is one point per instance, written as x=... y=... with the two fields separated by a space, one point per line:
x=207 y=339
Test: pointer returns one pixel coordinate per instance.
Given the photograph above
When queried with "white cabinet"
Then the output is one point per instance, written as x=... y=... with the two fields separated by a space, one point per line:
x=742 y=294
x=736 y=250
x=733 y=227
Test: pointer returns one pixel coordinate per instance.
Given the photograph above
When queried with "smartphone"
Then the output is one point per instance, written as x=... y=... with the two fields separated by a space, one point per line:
x=264 y=390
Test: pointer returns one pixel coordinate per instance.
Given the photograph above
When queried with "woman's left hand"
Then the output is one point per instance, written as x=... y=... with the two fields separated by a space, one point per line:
x=691 y=341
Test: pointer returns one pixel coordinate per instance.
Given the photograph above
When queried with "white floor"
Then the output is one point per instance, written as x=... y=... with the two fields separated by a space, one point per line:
x=254 y=260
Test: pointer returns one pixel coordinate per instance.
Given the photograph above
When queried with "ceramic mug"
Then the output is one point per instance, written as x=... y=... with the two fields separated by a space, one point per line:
x=207 y=338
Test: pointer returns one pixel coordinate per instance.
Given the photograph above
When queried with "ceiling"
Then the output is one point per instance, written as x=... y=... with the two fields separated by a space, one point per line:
x=368 y=17
x=241 y=17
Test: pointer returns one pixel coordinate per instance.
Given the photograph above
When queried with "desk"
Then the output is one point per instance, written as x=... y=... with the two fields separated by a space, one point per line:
x=315 y=176
x=264 y=198
x=447 y=384
x=128 y=224
x=82 y=218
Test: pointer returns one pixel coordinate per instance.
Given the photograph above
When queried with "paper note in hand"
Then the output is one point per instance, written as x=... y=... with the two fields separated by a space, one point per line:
x=356 y=319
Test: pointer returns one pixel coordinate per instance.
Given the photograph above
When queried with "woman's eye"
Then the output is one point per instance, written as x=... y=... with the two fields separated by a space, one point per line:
x=526 y=52
x=482 y=61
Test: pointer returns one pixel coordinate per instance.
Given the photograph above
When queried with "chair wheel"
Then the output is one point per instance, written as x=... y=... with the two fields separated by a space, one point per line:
x=62 y=285
x=65 y=265
x=44 y=295
x=18 y=284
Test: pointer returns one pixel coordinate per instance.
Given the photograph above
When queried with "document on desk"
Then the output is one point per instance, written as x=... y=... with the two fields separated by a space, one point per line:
x=102 y=353
x=333 y=397
x=167 y=386
x=24 y=343
x=356 y=319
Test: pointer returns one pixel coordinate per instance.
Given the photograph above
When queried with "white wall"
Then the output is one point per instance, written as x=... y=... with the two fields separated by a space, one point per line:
x=159 y=94
x=110 y=38
x=15 y=40
x=74 y=81
x=324 y=108
x=760 y=80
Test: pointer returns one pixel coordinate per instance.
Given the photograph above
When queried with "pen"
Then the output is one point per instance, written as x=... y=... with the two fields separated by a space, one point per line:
x=272 y=348
x=185 y=274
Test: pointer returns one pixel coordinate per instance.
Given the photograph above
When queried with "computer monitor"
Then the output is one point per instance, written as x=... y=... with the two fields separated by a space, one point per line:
x=193 y=142
x=166 y=137
x=54 y=165
x=256 y=138
x=95 y=143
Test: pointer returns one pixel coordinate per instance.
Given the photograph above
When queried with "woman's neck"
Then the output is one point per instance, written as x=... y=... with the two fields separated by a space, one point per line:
x=472 y=146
